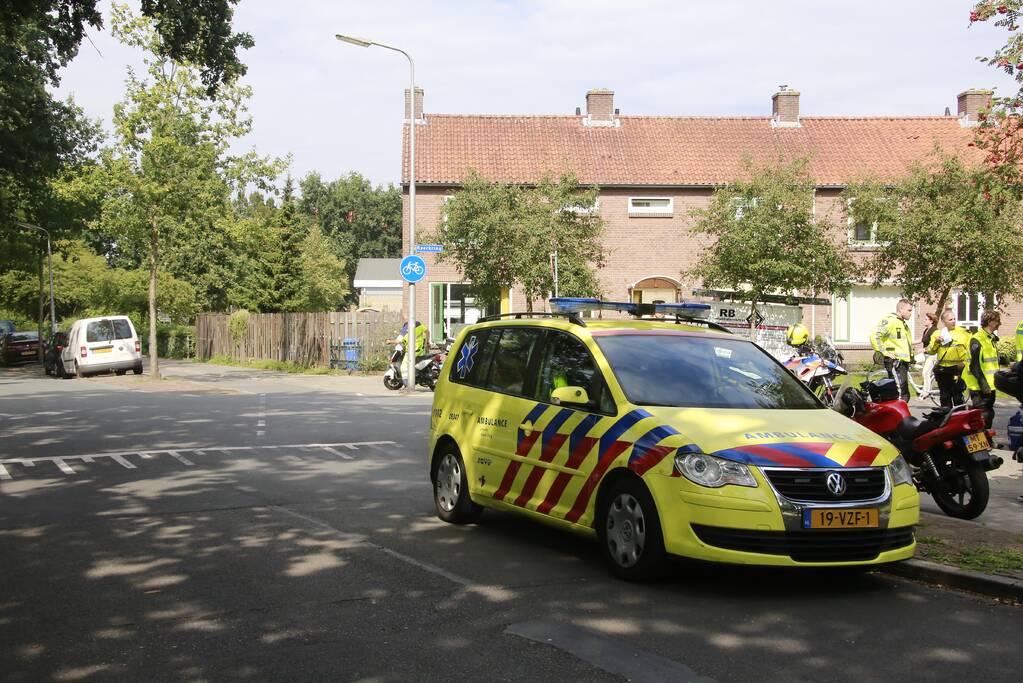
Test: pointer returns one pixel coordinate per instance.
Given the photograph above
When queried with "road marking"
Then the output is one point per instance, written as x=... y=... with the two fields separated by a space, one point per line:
x=338 y=453
x=120 y=456
x=119 y=460
x=182 y=459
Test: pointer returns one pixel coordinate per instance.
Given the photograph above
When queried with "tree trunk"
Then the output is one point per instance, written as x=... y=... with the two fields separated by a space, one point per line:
x=42 y=307
x=154 y=363
x=941 y=302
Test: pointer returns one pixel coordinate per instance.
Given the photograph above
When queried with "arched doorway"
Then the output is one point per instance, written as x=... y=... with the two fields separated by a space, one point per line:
x=656 y=288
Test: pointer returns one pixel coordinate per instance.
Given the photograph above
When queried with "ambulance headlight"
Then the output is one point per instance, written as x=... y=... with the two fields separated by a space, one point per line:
x=707 y=470
x=899 y=469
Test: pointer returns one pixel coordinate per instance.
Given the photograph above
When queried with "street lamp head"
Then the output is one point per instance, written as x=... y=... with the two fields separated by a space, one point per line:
x=354 y=41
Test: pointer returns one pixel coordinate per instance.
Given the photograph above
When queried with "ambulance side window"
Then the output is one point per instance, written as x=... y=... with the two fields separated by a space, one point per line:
x=510 y=372
x=472 y=362
x=566 y=362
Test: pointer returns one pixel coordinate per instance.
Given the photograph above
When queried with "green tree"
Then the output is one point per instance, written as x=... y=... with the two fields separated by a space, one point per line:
x=503 y=235
x=324 y=283
x=283 y=260
x=766 y=239
x=167 y=178
x=359 y=219
x=943 y=228
x=40 y=137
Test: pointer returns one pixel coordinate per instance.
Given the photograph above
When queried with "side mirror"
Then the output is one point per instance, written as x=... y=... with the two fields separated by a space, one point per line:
x=569 y=395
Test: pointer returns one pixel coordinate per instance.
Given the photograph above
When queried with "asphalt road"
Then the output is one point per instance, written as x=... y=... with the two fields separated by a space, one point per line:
x=254 y=526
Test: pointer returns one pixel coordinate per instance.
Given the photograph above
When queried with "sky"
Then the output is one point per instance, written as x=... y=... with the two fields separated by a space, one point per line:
x=338 y=108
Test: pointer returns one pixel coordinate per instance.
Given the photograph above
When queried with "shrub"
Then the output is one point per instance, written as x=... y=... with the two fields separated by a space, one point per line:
x=239 y=326
x=1006 y=351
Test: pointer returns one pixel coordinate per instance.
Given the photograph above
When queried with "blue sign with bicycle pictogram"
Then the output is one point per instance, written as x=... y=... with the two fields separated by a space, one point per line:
x=412 y=269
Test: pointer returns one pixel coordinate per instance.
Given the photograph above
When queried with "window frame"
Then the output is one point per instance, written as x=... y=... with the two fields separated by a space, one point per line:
x=982 y=306
x=529 y=383
x=740 y=204
x=851 y=240
x=650 y=210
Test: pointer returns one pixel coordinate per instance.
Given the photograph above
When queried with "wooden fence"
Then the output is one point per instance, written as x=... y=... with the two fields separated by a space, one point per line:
x=303 y=338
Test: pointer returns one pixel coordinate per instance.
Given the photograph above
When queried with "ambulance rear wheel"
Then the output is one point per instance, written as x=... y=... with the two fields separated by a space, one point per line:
x=630 y=532
x=451 y=488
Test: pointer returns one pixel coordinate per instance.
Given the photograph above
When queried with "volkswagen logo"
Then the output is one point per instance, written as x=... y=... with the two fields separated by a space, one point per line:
x=835 y=483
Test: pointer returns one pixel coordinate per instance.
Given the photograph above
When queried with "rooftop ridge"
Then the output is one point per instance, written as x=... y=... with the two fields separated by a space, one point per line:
x=684 y=117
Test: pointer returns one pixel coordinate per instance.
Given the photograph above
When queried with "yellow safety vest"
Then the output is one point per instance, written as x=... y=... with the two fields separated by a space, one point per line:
x=988 y=362
x=956 y=352
x=893 y=338
x=1019 y=340
x=797 y=335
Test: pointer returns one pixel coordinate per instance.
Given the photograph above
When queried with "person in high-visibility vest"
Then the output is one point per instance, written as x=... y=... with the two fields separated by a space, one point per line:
x=979 y=374
x=951 y=348
x=894 y=342
x=420 y=343
x=1019 y=341
x=799 y=337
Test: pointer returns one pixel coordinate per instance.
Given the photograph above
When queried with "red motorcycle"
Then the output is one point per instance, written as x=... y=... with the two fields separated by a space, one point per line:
x=948 y=451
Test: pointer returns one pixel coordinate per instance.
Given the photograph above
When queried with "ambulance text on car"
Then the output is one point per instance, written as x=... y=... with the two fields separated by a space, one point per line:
x=660 y=438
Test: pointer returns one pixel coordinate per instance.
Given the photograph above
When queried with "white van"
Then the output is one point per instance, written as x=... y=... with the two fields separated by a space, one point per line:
x=96 y=345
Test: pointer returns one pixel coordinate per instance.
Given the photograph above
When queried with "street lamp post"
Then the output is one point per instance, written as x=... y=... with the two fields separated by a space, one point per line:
x=49 y=262
x=410 y=351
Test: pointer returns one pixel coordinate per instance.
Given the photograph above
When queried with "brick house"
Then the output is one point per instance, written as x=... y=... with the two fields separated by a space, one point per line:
x=652 y=170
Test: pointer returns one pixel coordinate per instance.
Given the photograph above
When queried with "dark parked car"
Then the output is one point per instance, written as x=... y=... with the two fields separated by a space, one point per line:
x=19 y=347
x=51 y=354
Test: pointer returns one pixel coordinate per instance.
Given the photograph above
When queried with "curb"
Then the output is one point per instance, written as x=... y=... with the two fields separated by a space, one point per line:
x=946 y=576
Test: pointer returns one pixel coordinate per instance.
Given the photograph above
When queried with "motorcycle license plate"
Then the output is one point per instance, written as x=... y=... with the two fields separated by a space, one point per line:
x=976 y=442
x=843 y=518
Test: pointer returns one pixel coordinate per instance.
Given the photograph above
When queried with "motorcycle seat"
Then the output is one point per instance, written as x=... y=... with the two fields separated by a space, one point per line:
x=912 y=427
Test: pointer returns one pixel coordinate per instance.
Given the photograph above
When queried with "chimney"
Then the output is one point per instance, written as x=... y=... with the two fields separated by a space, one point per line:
x=419 y=104
x=785 y=108
x=970 y=104
x=600 y=108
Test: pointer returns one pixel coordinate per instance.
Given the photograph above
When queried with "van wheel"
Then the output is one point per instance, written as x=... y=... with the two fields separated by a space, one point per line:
x=630 y=532
x=451 y=488
x=137 y=369
x=120 y=373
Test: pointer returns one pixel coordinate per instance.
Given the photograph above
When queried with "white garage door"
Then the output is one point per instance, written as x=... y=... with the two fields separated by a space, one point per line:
x=856 y=317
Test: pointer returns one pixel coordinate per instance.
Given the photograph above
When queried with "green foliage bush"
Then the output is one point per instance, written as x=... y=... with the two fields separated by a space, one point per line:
x=19 y=319
x=239 y=325
x=1006 y=351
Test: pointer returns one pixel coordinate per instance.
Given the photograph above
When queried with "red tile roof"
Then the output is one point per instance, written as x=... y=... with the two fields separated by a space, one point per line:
x=658 y=150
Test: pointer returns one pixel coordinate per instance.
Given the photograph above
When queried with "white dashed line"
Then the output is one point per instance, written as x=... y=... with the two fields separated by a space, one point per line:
x=337 y=449
x=338 y=453
x=182 y=459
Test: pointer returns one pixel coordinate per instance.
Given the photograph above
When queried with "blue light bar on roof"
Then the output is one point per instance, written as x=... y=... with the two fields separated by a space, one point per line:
x=580 y=304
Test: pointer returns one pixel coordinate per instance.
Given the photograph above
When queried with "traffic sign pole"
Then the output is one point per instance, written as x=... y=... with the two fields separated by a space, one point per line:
x=412 y=270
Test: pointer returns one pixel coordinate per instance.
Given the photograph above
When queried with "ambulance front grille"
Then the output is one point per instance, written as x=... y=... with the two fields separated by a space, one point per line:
x=810 y=485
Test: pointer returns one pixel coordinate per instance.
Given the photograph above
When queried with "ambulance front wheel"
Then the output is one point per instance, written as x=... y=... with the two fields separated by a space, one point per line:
x=451 y=488
x=630 y=531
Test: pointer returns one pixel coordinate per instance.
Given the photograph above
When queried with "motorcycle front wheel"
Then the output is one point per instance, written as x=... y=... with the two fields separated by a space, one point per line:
x=393 y=383
x=962 y=491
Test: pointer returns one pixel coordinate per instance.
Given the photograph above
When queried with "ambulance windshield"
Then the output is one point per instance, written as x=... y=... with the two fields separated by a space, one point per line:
x=701 y=372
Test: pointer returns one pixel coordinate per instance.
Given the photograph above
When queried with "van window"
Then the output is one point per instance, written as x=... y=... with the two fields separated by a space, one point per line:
x=566 y=362
x=509 y=372
x=108 y=330
x=472 y=362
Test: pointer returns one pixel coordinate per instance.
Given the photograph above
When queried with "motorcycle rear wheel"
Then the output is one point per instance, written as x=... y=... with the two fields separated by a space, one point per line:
x=962 y=491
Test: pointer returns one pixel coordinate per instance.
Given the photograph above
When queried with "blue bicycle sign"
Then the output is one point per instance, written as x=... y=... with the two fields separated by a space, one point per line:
x=412 y=269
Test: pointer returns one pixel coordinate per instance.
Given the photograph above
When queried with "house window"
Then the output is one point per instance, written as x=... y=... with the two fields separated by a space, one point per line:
x=968 y=308
x=744 y=204
x=862 y=234
x=584 y=210
x=645 y=206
